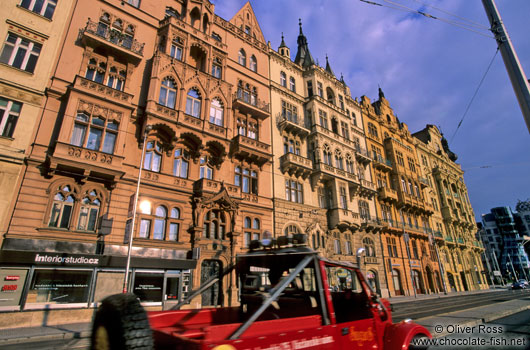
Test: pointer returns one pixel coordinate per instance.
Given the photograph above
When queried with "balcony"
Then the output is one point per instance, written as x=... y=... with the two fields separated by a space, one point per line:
x=371 y=260
x=322 y=171
x=381 y=163
x=253 y=151
x=86 y=163
x=95 y=34
x=386 y=194
x=371 y=223
x=293 y=124
x=367 y=188
x=362 y=155
x=208 y=186
x=423 y=182
x=248 y=103
x=102 y=91
x=296 y=165
x=438 y=234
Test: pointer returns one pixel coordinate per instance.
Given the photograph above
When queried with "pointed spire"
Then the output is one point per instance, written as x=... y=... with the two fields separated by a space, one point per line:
x=328 y=67
x=283 y=42
x=303 y=56
x=342 y=79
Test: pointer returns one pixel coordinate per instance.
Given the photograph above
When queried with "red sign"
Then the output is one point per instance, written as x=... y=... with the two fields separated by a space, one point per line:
x=12 y=278
x=9 y=287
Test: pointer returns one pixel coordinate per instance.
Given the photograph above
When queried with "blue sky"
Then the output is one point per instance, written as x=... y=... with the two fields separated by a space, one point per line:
x=428 y=70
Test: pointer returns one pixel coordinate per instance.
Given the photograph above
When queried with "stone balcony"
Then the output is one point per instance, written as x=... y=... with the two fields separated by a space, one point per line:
x=293 y=124
x=252 y=150
x=247 y=103
x=387 y=194
x=296 y=165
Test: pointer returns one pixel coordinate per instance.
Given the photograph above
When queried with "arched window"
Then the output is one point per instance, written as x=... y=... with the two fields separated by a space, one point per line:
x=292 y=84
x=338 y=160
x=174 y=226
x=291 y=230
x=168 y=93
x=242 y=57
x=216 y=112
x=214 y=225
x=63 y=205
x=411 y=190
x=153 y=156
x=349 y=164
x=159 y=230
x=396 y=282
x=403 y=185
x=330 y=96
x=283 y=79
x=95 y=71
x=253 y=63
x=116 y=78
x=326 y=152
x=195 y=16
x=181 y=163
x=193 y=103
x=369 y=246
x=89 y=211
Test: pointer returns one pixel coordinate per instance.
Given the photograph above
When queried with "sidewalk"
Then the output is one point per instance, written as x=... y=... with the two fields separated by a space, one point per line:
x=33 y=334
x=407 y=298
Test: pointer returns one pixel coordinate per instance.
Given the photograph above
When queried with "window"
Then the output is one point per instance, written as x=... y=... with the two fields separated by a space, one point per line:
x=193 y=103
x=181 y=163
x=412 y=167
x=102 y=133
x=135 y=3
x=63 y=205
x=206 y=170
x=326 y=152
x=166 y=224
x=392 y=247
x=369 y=247
x=174 y=226
x=349 y=164
x=95 y=70
x=310 y=88
x=323 y=119
x=116 y=79
x=20 y=53
x=293 y=191
x=334 y=125
x=338 y=160
x=343 y=198
x=289 y=112
x=354 y=118
x=415 y=249
x=42 y=7
x=246 y=94
x=411 y=190
x=349 y=249
x=322 y=198
x=168 y=93
x=396 y=282
x=344 y=130
x=424 y=160
x=242 y=57
x=89 y=211
x=399 y=158
x=216 y=37
x=253 y=63
x=330 y=95
x=153 y=156
x=372 y=130
x=336 y=246
x=216 y=112
x=292 y=84
x=217 y=68
x=59 y=286
x=320 y=90
x=114 y=30
x=176 y=49
x=341 y=102
x=214 y=226
x=364 y=210
x=247 y=179
x=9 y=112
x=283 y=79
x=159 y=230
x=252 y=230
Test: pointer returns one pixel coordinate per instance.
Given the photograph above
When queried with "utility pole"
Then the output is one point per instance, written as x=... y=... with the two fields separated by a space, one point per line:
x=511 y=61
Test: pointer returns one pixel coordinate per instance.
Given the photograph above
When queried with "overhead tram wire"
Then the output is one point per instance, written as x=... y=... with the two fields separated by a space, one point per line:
x=471 y=23
x=476 y=92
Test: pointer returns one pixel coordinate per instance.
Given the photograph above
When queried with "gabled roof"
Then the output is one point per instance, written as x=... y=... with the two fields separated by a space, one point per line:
x=240 y=19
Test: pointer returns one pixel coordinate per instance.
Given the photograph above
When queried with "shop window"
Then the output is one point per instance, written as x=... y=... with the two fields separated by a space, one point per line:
x=253 y=63
x=20 y=53
x=101 y=136
x=153 y=156
x=44 y=8
x=62 y=208
x=193 y=103
x=9 y=113
x=214 y=226
x=242 y=57
x=181 y=163
x=217 y=68
x=283 y=79
x=89 y=211
x=252 y=230
x=294 y=191
x=216 y=112
x=247 y=179
x=59 y=286
x=369 y=246
x=206 y=170
x=148 y=286
x=168 y=93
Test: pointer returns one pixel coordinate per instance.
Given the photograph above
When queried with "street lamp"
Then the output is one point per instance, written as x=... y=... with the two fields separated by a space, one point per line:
x=147 y=129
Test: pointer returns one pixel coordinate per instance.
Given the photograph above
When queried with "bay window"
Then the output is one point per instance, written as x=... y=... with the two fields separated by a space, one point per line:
x=94 y=133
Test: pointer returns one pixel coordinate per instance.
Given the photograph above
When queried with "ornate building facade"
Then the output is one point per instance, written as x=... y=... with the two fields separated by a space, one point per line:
x=459 y=250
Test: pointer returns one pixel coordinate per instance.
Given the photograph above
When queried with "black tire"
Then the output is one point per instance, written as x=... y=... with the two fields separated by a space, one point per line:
x=419 y=342
x=121 y=324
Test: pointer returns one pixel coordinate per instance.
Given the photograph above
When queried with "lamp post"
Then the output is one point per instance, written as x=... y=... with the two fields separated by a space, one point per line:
x=147 y=129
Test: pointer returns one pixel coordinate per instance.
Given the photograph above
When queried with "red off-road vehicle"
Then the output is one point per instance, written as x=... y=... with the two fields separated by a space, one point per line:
x=290 y=299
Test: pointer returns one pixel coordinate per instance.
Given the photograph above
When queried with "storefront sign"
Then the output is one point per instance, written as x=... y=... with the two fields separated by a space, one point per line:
x=62 y=259
x=11 y=286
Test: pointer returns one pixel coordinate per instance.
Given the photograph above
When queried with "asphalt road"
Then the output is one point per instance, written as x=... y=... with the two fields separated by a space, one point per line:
x=429 y=307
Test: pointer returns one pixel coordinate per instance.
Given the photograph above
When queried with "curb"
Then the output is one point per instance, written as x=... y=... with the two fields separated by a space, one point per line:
x=45 y=337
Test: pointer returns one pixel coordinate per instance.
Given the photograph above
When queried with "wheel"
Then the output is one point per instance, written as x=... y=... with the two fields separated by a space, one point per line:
x=419 y=342
x=121 y=324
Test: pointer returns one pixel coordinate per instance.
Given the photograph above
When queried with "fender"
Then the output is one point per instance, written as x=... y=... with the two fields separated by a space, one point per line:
x=399 y=335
